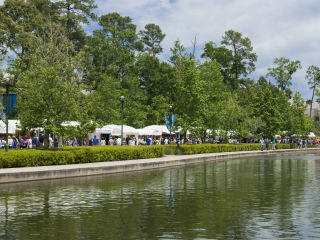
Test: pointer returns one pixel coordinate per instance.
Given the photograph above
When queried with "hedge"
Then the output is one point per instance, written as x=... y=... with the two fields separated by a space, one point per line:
x=72 y=155
x=60 y=156
x=214 y=148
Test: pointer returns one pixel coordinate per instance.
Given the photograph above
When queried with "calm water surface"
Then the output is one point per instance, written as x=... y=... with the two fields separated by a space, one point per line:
x=265 y=197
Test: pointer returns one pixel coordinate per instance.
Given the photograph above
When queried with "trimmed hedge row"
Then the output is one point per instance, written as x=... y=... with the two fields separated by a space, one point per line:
x=72 y=155
x=214 y=148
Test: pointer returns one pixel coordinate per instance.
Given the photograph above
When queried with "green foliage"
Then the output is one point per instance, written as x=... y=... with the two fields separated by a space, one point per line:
x=49 y=91
x=64 y=75
x=283 y=71
x=265 y=107
x=216 y=148
x=235 y=56
x=72 y=155
x=299 y=124
x=313 y=78
x=152 y=37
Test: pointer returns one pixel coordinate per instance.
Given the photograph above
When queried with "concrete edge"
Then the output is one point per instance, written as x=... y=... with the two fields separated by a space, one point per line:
x=11 y=175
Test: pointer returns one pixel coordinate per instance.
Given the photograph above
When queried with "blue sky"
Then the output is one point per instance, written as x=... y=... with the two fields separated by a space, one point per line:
x=277 y=28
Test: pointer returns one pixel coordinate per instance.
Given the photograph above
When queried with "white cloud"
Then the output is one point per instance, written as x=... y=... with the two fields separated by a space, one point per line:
x=287 y=28
x=1 y=2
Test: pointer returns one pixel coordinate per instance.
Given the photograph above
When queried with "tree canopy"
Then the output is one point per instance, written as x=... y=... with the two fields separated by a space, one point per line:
x=64 y=73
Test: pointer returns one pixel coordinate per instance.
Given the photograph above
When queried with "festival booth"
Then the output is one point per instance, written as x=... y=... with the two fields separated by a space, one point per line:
x=158 y=130
x=149 y=132
x=311 y=135
x=70 y=124
x=12 y=126
x=114 y=130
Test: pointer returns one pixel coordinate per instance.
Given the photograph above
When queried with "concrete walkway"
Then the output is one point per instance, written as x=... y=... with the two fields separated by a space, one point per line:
x=8 y=175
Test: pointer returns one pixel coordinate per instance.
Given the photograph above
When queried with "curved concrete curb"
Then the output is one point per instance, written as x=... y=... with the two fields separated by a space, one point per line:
x=76 y=170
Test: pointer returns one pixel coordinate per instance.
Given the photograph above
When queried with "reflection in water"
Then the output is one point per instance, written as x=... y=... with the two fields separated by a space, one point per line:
x=265 y=197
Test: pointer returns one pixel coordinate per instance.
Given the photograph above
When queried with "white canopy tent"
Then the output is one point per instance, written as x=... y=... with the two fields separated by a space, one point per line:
x=159 y=129
x=311 y=135
x=103 y=130
x=115 y=130
x=12 y=128
x=70 y=124
x=149 y=132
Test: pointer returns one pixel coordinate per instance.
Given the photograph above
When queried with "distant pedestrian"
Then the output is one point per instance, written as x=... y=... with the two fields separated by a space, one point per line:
x=267 y=144
x=261 y=143
x=55 y=143
x=75 y=142
x=95 y=141
x=273 y=144
x=119 y=141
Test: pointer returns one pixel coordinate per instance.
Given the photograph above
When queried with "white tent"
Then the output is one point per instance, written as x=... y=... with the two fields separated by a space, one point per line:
x=115 y=130
x=70 y=124
x=149 y=132
x=311 y=135
x=12 y=126
x=161 y=129
x=103 y=130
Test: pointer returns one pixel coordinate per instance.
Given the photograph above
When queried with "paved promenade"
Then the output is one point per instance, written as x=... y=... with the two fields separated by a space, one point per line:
x=8 y=175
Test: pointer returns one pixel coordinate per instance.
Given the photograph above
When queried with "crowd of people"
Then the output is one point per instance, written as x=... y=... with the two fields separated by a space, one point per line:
x=37 y=140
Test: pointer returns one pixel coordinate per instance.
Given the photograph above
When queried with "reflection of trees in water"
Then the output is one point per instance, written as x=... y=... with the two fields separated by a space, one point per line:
x=214 y=200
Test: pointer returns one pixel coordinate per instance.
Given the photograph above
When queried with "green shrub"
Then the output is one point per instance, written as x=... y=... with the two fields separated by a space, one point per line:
x=214 y=148
x=70 y=155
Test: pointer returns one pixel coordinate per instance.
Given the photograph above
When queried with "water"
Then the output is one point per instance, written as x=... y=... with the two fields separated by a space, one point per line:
x=265 y=197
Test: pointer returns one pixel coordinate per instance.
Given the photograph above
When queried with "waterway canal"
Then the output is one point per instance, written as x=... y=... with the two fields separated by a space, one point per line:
x=264 y=197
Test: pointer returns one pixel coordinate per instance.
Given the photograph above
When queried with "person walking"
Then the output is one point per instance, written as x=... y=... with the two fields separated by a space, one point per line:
x=95 y=141
x=273 y=144
x=267 y=144
x=261 y=143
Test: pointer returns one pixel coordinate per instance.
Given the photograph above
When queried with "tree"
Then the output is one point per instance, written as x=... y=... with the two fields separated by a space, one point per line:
x=49 y=90
x=111 y=49
x=313 y=78
x=214 y=94
x=157 y=83
x=235 y=56
x=224 y=57
x=74 y=13
x=265 y=108
x=20 y=21
x=106 y=101
x=282 y=72
x=152 y=37
x=243 y=57
x=299 y=124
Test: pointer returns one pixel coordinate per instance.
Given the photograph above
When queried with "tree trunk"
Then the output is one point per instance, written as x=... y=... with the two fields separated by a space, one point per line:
x=46 y=140
x=312 y=101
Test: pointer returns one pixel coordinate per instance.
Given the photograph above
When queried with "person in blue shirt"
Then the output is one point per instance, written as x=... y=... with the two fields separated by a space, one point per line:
x=267 y=144
x=148 y=141
x=75 y=142
x=35 y=142
x=178 y=142
x=55 y=143
x=95 y=141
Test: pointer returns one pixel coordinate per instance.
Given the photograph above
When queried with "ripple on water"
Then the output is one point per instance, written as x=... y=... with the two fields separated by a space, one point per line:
x=265 y=197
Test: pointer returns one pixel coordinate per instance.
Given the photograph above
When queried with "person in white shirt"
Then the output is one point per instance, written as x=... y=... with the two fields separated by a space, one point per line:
x=10 y=142
x=103 y=142
x=50 y=142
x=166 y=141
x=132 y=142
x=30 y=143
x=119 y=141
